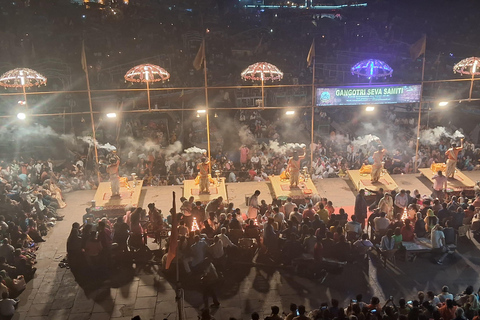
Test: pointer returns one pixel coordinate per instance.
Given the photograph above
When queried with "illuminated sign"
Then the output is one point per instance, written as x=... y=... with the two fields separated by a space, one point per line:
x=368 y=94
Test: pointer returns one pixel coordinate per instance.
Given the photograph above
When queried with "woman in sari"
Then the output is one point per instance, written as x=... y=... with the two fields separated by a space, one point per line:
x=56 y=193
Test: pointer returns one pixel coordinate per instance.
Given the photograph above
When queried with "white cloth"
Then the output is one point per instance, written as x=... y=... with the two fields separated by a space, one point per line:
x=225 y=240
x=252 y=207
x=401 y=201
x=437 y=236
x=439 y=182
x=387 y=244
x=381 y=223
x=353 y=226
x=444 y=296
x=279 y=218
x=288 y=208
x=217 y=249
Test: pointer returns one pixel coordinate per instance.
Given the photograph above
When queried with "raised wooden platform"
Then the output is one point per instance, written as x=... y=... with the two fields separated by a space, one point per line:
x=281 y=188
x=129 y=195
x=459 y=184
x=364 y=181
x=219 y=189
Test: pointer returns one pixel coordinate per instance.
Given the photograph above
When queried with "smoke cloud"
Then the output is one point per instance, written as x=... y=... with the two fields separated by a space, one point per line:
x=433 y=136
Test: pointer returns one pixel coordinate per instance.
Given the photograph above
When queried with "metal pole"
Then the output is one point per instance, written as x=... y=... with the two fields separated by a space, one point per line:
x=205 y=79
x=419 y=115
x=471 y=86
x=313 y=115
x=25 y=96
x=94 y=135
x=263 y=95
x=148 y=96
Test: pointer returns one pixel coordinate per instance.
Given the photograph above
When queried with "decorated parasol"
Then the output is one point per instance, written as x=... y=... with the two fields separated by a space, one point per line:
x=468 y=66
x=372 y=69
x=147 y=73
x=262 y=71
x=22 y=78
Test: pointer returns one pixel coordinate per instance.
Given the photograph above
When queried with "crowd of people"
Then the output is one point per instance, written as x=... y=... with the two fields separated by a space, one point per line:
x=29 y=200
x=442 y=304
x=313 y=238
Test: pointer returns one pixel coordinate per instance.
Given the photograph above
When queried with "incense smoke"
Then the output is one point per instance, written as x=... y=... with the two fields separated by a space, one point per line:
x=433 y=136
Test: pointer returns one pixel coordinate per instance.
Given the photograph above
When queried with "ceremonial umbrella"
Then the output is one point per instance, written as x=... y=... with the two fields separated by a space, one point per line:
x=372 y=68
x=468 y=66
x=22 y=77
x=147 y=73
x=262 y=71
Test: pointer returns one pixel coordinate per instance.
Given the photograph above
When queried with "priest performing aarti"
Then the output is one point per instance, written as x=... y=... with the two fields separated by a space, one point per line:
x=452 y=157
x=112 y=171
x=203 y=171
x=377 y=166
x=294 y=168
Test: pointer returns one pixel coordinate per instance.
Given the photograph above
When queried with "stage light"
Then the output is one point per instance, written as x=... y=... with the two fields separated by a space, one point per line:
x=111 y=115
x=290 y=113
x=21 y=116
x=370 y=108
x=216 y=115
x=22 y=102
x=443 y=103
x=202 y=111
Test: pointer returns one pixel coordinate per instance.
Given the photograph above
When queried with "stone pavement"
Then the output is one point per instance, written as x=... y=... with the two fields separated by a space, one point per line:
x=54 y=294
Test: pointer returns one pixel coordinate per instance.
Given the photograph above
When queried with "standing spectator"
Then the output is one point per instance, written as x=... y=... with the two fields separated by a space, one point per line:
x=361 y=207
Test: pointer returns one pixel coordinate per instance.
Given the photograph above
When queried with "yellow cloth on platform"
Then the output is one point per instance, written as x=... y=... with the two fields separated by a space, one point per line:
x=435 y=167
x=285 y=175
x=366 y=169
x=197 y=179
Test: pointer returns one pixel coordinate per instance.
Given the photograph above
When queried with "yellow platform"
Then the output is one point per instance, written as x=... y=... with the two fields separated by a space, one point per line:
x=363 y=181
x=460 y=183
x=218 y=189
x=129 y=196
x=281 y=188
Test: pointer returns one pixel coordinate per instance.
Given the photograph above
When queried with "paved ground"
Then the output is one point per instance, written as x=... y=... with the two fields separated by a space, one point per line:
x=54 y=294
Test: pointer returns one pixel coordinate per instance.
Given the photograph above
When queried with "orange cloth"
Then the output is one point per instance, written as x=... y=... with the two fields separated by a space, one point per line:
x=366 y=169
x=452 y=153
x=435 y=167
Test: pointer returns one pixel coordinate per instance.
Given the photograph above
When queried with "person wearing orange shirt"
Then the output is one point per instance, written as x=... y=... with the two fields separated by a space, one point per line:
x=452 y=157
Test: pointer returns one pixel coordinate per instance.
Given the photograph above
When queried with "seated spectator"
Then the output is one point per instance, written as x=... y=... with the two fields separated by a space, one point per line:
x=6 y=250
x=7 y=306
x=342 y=249
x=353 y=229
x=381 y=225
x=444 y=295
x=407 y=231
x=419 y=229
x=430 y=220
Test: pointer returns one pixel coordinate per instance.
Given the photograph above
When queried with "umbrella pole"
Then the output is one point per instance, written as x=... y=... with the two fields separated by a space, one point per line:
x=471 y=87
x=148 y=97
x=25 y=95
x=263 y=95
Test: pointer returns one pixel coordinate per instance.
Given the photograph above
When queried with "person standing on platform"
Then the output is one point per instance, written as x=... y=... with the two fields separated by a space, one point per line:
x=452 y=157
x=112 y=171
x=203 y=171
x=377 y=163
x=439 y=186
x=294 y=168
x=253 y=207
